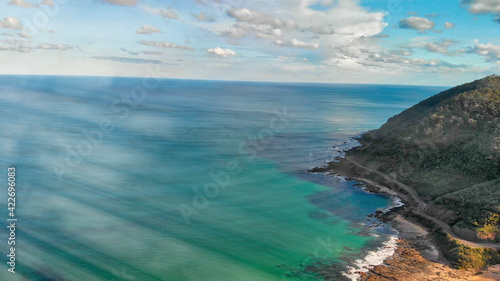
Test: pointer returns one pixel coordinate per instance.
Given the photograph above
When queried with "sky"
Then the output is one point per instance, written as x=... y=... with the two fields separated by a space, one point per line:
x=418 y=42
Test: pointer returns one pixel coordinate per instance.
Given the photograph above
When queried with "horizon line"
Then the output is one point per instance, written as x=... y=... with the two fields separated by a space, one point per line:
x=228 y=80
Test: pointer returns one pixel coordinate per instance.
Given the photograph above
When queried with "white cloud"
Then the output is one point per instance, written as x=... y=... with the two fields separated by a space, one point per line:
x=11 y=23
x=342 y=31
x=390 y=59
x=258 y=25
x=122 y=2
x=365 y=57
x=242 y=29
x=148 y=29
x=128 y=60
x=449 y=25
x=442 y=47
x=346 y=20
x=48 y=46
x=345 y=24
x=258 y=18
x=132 y=53
x=483 y=6
x=24 y=49
x=345 y=17
x=207 y=2
x=18 y=46
x=48 y=2
x=417 y=23
x=438 y=47
x=152 y=52
x=165 y=44
x=147 y=52
x=203 y=17
x=292 y=58
x=294 y=43
x=15 y=45
x=22 y=4
x=490 y=51
x=170 y=14
x=235 y=32
x=222 y=52
x=24 y=35
x=404 y=52
x=165 y=13
x=344 y=36
x=323 y=30
x=21 y=49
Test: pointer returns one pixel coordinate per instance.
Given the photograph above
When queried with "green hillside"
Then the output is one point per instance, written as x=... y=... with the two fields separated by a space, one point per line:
x=448 y=149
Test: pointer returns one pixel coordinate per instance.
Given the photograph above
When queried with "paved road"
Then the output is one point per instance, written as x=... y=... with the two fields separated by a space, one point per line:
x=421 y=205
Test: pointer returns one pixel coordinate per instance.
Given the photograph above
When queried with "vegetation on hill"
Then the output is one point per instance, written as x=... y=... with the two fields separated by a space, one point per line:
x=447 y=148
x=465 y=257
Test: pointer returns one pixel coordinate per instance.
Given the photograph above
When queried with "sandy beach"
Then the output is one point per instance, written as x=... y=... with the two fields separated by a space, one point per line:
x=417 y=258
x=493 y=273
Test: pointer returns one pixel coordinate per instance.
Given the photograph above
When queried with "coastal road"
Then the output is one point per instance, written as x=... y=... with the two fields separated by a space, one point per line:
x=421 y=205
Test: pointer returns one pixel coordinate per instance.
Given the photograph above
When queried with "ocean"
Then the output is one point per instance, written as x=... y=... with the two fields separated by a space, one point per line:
x=161 y=179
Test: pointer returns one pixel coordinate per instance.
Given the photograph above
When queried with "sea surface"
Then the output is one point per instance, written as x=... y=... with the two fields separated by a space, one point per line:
x=147 y=179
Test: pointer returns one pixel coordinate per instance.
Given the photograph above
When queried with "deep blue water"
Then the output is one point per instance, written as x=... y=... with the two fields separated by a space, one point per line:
x=186 y=180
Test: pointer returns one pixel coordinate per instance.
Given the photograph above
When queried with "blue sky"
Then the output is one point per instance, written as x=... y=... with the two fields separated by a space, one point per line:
x=421 y=42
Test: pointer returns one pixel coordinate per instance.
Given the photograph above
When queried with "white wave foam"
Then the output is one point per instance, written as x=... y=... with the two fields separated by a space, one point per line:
x=396 y=202
x=376 y=257
x=340 y=178
x=371 y=259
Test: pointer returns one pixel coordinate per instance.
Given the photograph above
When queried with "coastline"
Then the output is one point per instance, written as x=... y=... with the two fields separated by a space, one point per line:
x=417 y=258
x=414 y=254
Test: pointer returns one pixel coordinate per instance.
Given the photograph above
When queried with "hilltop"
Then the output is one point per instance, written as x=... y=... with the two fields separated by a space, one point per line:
x=442 y=156
x=447 y=148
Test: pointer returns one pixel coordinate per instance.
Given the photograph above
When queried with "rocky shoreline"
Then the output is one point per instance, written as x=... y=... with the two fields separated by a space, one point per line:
x=417 y=256
x=407 y=264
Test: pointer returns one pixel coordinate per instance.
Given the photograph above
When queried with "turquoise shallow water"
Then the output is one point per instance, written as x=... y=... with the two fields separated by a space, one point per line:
x=191 y=180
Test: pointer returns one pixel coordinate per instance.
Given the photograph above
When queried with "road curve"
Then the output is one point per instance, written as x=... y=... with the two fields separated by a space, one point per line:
x=421 y=205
